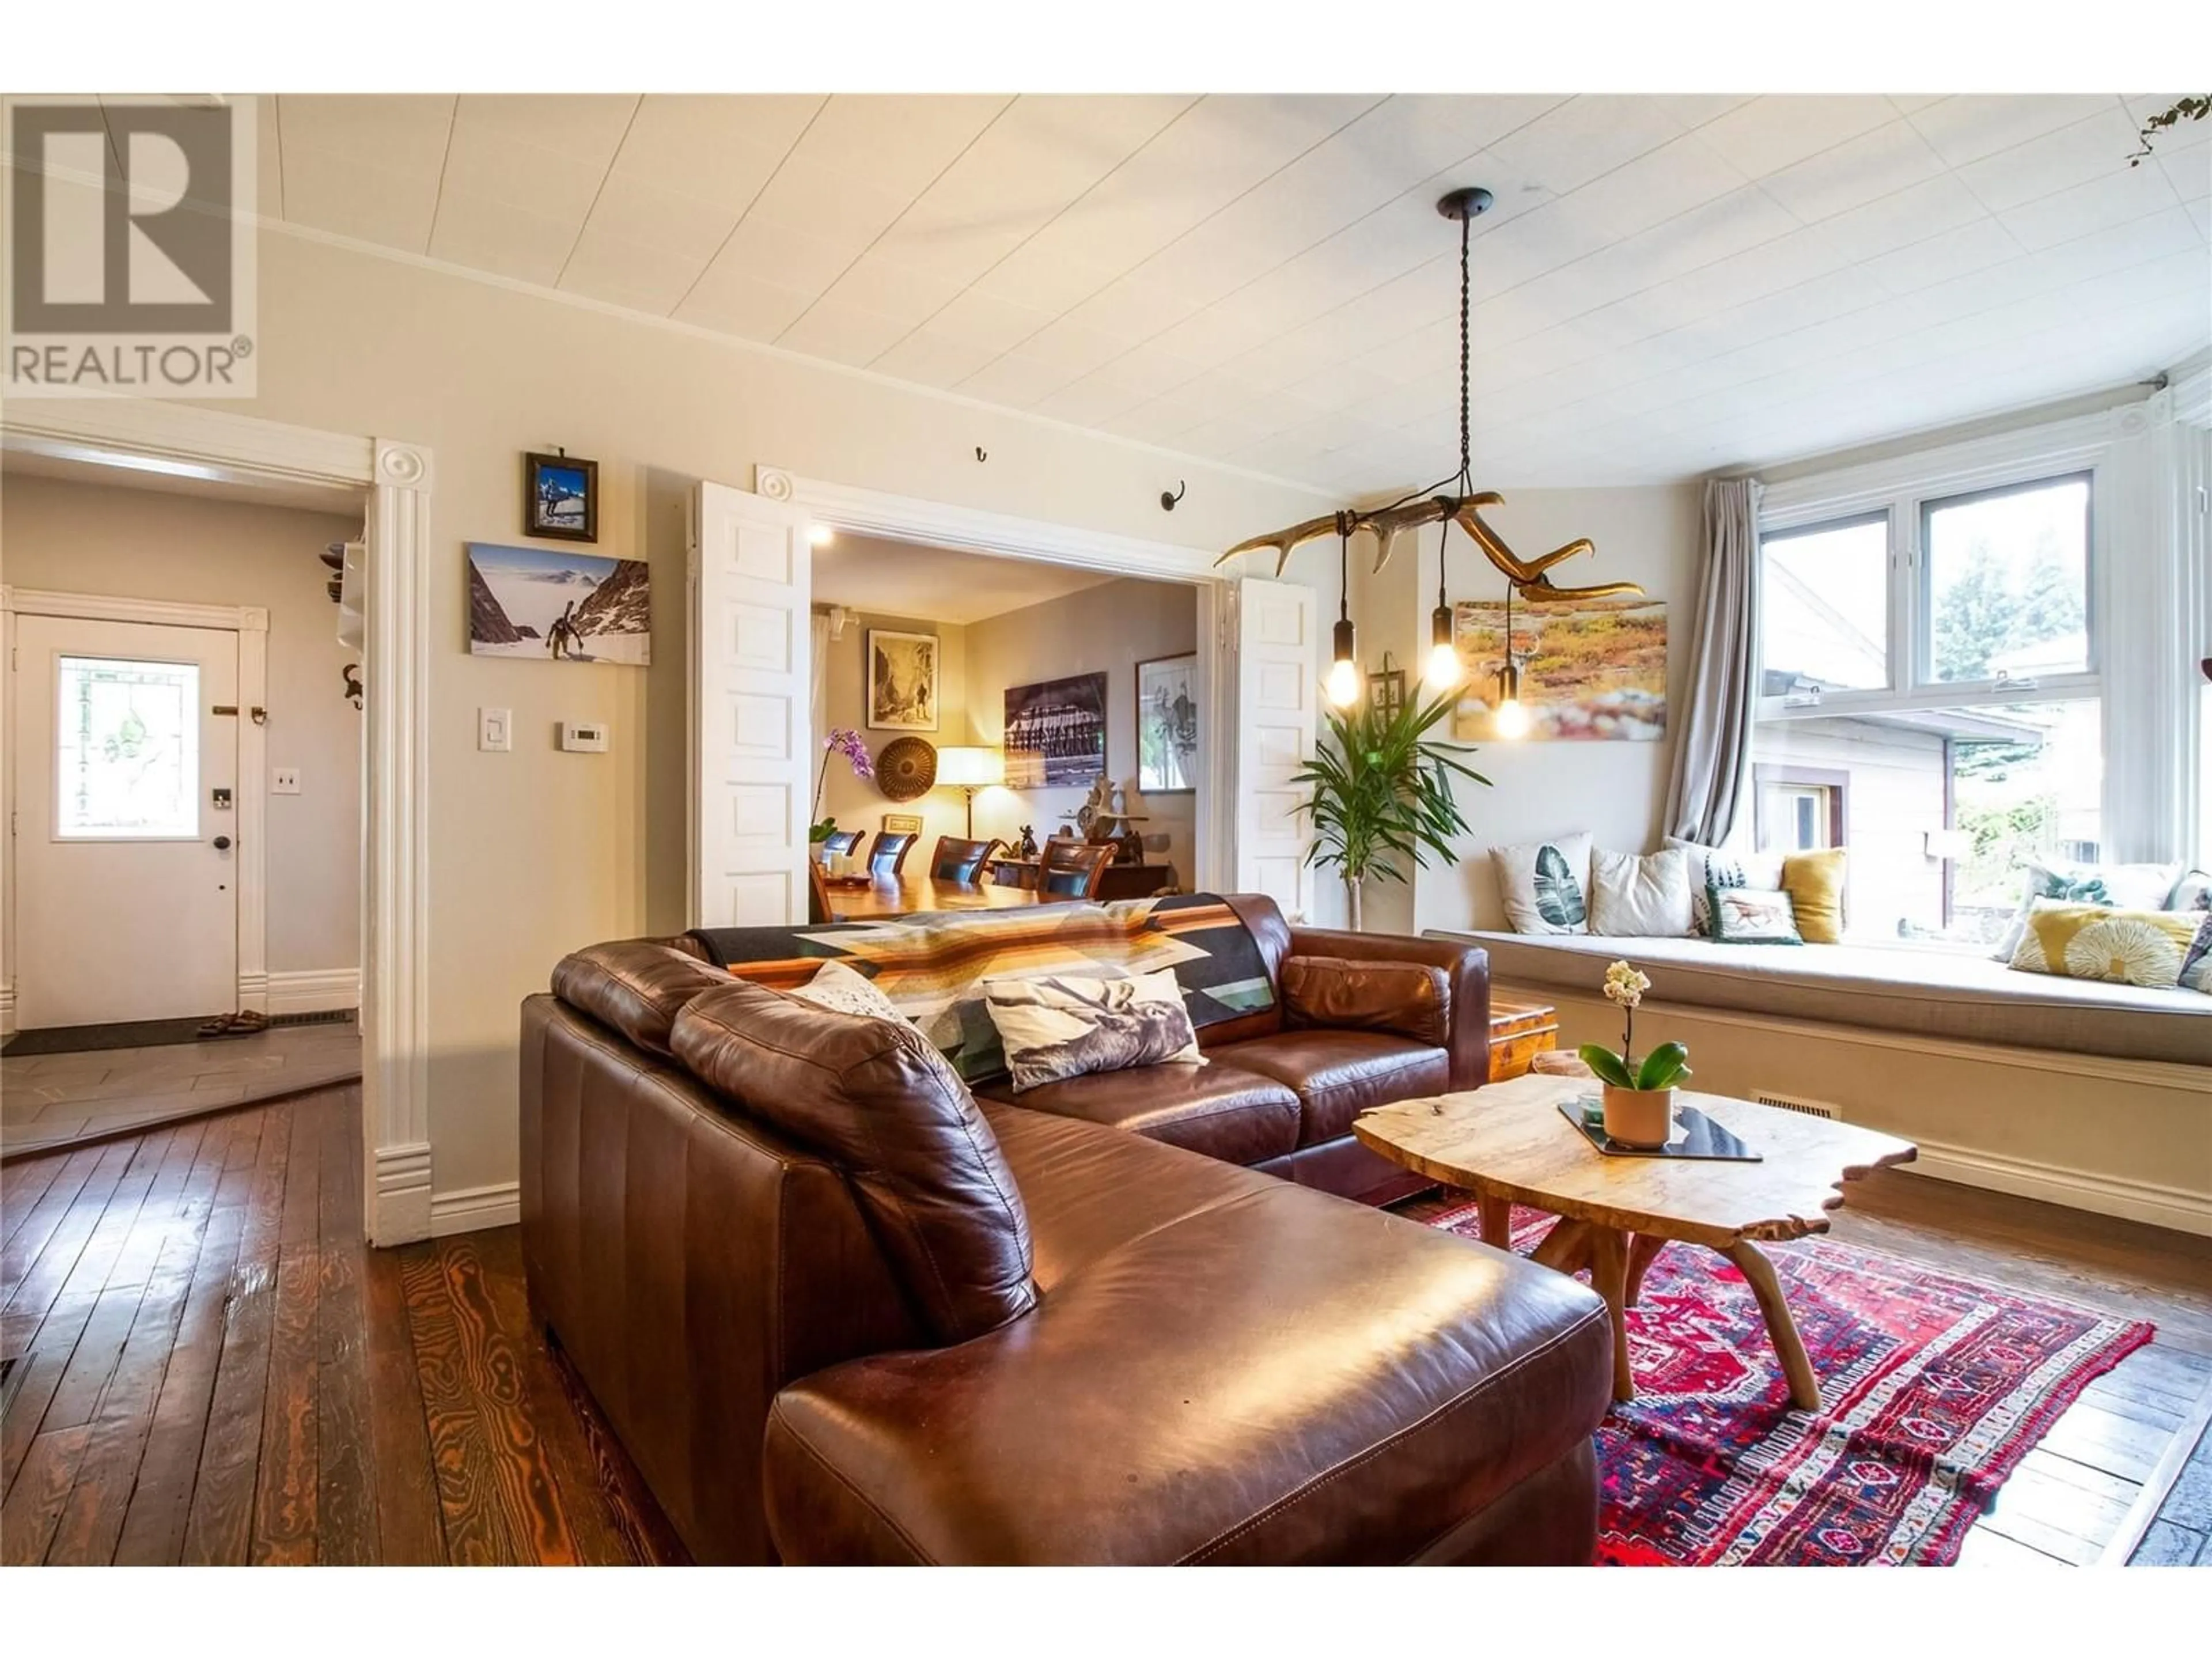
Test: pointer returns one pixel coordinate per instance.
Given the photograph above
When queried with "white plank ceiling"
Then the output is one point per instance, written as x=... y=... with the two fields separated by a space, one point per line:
x=1667 y=284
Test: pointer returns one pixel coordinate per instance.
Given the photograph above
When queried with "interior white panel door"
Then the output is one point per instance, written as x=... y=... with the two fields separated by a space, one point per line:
x=126 y=835
x=1278 y=669
x=751 y=567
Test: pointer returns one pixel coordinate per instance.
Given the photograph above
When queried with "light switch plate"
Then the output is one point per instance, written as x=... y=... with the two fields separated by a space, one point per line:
x=284 y=780
x=496 y=729
x=584 y=737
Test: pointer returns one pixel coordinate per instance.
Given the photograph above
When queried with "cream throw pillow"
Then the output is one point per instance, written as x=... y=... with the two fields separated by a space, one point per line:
x=2089 y=941
x=844 y=991
x=1645 y=897
x=1062 y=1026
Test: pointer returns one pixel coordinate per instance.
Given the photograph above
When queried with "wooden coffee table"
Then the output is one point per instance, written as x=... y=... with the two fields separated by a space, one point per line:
x=1509 y=1144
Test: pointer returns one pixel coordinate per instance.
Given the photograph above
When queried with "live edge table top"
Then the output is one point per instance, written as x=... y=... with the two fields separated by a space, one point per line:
x=1508 y=1141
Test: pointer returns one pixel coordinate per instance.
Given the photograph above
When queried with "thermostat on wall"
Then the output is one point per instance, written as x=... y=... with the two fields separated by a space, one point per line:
x=583 y=739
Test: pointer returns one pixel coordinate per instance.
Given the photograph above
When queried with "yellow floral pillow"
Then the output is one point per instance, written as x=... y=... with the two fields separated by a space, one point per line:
x=2089 y=941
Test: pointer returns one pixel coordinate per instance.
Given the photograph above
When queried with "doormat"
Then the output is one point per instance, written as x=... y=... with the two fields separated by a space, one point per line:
x=1934 y=1388
x=146 y=1034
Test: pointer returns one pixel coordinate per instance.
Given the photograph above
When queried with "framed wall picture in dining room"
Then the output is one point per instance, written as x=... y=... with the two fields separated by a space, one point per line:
x=1167 y=725
x=901 y=823
x=902 y=681
x=1056 y=733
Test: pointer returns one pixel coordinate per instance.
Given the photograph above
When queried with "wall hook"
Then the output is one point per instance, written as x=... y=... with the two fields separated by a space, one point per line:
x=351 y=675
x=260 y=716
x=981 y=454
x=1167 y=501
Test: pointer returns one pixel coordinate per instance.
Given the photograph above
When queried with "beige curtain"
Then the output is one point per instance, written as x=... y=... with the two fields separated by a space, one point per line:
x=818 y=712
x=1712 y=745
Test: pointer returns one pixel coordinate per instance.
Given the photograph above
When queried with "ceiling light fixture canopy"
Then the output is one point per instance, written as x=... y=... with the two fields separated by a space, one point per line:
x=1425 y=506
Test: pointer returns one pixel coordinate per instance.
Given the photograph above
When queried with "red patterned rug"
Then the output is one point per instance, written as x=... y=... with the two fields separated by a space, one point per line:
x=1935 y=1389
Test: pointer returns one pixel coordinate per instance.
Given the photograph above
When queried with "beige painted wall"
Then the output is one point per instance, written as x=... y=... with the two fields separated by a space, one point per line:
x=859 y=805
x=1616 y=791
x=142 y=544
x=536 y=852
x=1113 y=627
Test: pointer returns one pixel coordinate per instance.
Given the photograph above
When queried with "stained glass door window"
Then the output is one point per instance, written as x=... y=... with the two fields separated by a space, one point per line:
x=127 y=751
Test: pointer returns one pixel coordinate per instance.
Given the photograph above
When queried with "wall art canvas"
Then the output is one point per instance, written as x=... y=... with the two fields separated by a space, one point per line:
x=1167 y=725
x=1590 y=669
x=902 y=681
x=561 y=606
x=1056 y=733
x=561 y=498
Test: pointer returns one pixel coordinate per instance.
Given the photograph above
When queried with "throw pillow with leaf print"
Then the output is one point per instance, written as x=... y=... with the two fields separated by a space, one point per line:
x=1545 y=885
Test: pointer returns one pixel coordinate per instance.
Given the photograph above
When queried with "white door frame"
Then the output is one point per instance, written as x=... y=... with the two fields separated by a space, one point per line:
x=973 y=530
x=251 y=623
x=186 y=440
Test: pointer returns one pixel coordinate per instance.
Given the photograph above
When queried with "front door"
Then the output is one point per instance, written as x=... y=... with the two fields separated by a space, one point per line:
x=125 y=832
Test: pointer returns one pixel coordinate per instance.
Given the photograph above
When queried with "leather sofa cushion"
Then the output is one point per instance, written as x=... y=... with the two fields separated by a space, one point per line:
x=1236 y=1117
x=1411 y=999
x=1340 y=1074
x=638 y=986
x=874 y=1099
x=1431 y=1377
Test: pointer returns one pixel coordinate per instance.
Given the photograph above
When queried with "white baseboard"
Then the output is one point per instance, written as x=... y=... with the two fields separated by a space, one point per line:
x=7 y=1011
x=471 y=1209
x=314 y=990
x=403 y=1194
x=2137 y=1200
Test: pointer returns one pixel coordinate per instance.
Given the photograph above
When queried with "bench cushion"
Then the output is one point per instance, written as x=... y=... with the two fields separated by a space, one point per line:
x=1936 y=993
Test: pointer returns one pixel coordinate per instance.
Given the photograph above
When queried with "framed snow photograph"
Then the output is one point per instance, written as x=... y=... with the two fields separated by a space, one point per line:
x=562 y=607
x=902 y=681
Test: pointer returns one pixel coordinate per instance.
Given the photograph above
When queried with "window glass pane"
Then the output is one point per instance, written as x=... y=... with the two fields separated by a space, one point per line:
x=2016 y=781
x=2008 y=583
x=126 y=745
x=1824 y=608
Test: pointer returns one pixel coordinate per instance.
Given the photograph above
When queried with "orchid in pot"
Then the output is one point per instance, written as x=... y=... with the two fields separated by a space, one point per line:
x=1639 y=1095
x=841 y=740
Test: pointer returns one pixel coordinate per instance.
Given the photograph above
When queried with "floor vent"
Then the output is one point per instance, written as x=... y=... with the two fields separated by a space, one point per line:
x=1825 y=1108
x=319 y=1017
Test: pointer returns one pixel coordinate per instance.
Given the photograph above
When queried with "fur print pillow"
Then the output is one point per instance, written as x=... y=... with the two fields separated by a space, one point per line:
x=1063 y=1026
x=843 y=990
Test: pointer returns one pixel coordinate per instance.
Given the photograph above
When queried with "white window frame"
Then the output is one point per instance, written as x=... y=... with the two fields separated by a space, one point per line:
x=1901 y=490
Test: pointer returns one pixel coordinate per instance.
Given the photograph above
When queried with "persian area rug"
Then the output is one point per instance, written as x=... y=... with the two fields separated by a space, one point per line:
x=1935 y=1387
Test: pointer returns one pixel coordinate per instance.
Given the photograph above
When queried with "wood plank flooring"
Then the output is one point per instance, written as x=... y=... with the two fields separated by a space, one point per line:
x=217 y=1370
x=211 y=1366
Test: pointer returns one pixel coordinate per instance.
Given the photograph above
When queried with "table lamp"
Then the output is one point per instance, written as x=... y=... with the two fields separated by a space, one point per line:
x=970 y=770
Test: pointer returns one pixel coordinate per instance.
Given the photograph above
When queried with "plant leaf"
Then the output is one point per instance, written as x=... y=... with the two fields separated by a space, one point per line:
x=1663 y=1067
x=1607 y=1063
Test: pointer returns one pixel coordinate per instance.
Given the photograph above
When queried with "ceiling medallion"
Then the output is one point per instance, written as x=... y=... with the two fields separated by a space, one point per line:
x=1425 y=506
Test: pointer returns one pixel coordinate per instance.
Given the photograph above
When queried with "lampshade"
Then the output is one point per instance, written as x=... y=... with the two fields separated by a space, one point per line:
x=971 y=768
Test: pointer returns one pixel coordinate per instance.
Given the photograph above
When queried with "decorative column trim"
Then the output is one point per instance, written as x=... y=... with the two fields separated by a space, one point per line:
x=395 y=932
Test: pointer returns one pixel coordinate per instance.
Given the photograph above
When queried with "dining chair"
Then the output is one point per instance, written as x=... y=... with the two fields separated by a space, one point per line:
x=1074 y=869
x=888 y=855
x=818 y=912
x=955 y=859
x=842 y=843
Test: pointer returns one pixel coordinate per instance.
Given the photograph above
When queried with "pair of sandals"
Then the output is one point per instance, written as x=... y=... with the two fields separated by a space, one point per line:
x=243 y=1024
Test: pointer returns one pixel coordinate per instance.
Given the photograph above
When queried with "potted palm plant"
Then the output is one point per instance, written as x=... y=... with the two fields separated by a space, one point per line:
x=1382 y=793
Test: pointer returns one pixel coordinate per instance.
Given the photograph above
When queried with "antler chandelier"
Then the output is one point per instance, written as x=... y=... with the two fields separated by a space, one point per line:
x=1530 y=577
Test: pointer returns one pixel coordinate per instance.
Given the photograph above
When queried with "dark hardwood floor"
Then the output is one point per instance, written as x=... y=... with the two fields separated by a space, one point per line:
x=215 y=1369
x=206 y=1364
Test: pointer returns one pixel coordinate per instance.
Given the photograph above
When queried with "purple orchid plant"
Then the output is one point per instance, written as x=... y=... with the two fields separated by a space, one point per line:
x=841 y=740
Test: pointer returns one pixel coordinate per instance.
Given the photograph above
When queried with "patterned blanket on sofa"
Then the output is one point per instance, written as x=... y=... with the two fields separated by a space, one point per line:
x=932 y=966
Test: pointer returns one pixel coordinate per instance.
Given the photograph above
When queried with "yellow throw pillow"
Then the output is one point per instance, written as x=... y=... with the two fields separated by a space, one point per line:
x=2090 y=941
x=1814 y=882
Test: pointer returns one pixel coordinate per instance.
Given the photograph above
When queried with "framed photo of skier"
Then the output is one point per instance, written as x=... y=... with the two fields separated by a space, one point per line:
x=561 y=497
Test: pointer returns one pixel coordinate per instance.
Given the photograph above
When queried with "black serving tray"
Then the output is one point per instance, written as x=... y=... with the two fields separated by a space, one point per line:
x=1696 y=1136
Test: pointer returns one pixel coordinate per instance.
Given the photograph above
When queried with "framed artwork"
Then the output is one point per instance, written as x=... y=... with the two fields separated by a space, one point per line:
x=1386 y=689
x=561 y=497
x=901 y=823
x=902 y=681
x=1590 y=669
x=563 y=607
x=1056 y=733
x=1167 y=725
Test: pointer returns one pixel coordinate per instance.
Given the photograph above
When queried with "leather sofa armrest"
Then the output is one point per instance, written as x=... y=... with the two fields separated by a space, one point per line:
x=1465 y=967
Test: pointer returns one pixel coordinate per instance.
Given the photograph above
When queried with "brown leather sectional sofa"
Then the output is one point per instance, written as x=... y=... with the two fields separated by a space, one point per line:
x=839 y=1310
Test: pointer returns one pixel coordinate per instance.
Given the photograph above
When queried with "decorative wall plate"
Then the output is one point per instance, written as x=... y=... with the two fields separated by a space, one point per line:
x=906 y=769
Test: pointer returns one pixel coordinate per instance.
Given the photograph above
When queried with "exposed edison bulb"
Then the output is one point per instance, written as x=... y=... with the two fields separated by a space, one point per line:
x=1510 y=718
x=1442 y=672
x=1343 y=685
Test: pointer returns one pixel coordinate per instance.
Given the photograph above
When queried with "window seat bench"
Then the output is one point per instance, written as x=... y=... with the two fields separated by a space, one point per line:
x=1918 y=993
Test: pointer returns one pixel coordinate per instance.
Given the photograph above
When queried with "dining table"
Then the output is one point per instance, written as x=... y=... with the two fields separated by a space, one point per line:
x=906 y=895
